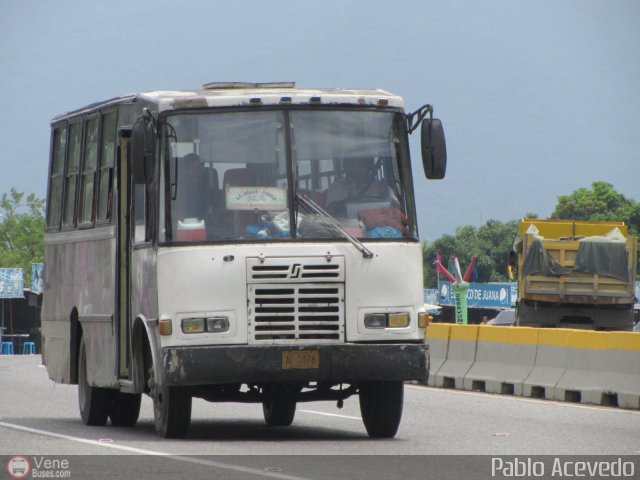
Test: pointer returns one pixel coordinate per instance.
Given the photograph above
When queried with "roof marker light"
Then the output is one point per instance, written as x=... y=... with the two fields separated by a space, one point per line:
x=286 y=100
x=383 y=102
x=315 y=100
x=362 y=101
x=255 y=101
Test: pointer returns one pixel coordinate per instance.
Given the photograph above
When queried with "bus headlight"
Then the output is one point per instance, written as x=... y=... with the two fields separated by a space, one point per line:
x=208 y=325
x=217 y=324
x=398 y=320
x=386 y=320
x=193 y=325
x=375 y=320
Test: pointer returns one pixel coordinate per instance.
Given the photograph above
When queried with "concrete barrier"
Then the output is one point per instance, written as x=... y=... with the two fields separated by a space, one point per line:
x=603 y=368
x=504 y=359
x=585 y=366
x=461 y=354
x=438 y=340
x=551 y=363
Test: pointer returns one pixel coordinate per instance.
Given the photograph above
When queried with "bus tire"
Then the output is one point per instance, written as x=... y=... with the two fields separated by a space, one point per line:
x=381 y=407
x=125 y=409
x=279 y=413
x=94 y=402
x=172 y=411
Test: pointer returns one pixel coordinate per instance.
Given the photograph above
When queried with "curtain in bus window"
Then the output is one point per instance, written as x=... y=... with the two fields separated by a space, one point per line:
x=75 y=142
x=89 y=164
x=54 y=204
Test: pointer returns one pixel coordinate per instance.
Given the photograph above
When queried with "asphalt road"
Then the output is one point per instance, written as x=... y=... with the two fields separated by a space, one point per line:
x=40 y=418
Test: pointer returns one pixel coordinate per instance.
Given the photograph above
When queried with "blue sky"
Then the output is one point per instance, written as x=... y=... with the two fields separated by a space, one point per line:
x=538 y=98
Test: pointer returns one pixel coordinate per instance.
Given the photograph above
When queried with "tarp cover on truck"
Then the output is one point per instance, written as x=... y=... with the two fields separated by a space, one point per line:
x=538 y=261
x=597 y=255
x=603 y=256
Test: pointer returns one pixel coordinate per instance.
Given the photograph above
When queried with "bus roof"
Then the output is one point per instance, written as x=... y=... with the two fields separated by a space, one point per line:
x=233 y=94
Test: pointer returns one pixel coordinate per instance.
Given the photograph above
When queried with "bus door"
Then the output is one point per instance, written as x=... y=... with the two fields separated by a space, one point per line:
x=123 y=252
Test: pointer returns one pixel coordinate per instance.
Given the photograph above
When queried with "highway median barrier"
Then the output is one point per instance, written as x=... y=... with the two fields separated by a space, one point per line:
x=461 y=354
x=550 y=365
x=505 y=356
x=438 y=339
x=582 y=366
x=603 y=368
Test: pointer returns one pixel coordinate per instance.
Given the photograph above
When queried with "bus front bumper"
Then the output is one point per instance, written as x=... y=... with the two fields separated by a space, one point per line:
x=344 y=363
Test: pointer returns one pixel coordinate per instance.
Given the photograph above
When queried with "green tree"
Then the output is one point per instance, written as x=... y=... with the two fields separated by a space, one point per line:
x=490 y=243
x=600 y=203
x=21 y=231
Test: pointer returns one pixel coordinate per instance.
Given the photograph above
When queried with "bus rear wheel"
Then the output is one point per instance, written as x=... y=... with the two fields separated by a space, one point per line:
x=171 y=409
x=125 y=409
x=94 y=402
x=279 y=413
x=381 y=407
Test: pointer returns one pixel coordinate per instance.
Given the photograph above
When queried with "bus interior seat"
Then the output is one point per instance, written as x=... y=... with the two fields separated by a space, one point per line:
x=238 y=177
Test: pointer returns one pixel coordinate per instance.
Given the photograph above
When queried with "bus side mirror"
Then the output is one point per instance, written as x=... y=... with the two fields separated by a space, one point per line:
x=434 y=149
x=142 y=151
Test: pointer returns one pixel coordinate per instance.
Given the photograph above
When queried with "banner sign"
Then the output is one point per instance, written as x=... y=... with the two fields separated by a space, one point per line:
x=431 y=296
x=479 y=295
x=460 y=293
x=256 y=198
x=11 y=283
x=36 y=277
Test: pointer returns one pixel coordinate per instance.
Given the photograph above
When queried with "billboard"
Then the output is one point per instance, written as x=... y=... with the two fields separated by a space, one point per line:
x=479 y=295
x=11 y=283
x=36 y=277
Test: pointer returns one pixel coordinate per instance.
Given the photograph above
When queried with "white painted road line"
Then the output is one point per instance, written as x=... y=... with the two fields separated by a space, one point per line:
x=330 y=414
x=141 y=451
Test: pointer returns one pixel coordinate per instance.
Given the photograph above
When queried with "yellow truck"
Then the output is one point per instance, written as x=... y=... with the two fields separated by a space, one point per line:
x=575 y=274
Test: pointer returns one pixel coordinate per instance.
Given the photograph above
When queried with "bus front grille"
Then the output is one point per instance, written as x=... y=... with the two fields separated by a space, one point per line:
x=291 y=270
x=296 y=313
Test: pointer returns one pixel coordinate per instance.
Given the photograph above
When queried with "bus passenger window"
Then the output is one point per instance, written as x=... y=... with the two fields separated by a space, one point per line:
x=57 y=171
x=75 y=142
x=107 y=160
x=89 y=164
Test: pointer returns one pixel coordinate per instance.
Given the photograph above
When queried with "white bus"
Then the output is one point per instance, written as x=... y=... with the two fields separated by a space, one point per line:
x=239 y=243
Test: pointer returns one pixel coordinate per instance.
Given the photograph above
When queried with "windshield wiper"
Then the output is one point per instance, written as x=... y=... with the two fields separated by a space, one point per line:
x=318 y=210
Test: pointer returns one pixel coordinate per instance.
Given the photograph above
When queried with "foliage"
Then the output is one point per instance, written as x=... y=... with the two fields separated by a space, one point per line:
x=600 y=203
x=21 y=231
x=491 y=243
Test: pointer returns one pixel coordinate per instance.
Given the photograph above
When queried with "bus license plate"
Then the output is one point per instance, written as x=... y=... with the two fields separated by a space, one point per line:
x=300 y=359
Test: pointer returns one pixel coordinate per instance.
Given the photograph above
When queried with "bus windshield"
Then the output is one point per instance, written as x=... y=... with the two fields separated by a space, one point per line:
x=234 y=176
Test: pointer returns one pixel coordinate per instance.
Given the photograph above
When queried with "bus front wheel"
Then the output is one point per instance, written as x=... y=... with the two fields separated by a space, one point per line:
x=279 y=413
x=94 y=402
x=171 y=409
x=381 y=407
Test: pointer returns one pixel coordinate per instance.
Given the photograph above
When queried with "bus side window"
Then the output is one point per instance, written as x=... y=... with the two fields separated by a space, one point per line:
x=73 y=165
x=89 y=165
x=107 y=160
x=54 y=201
